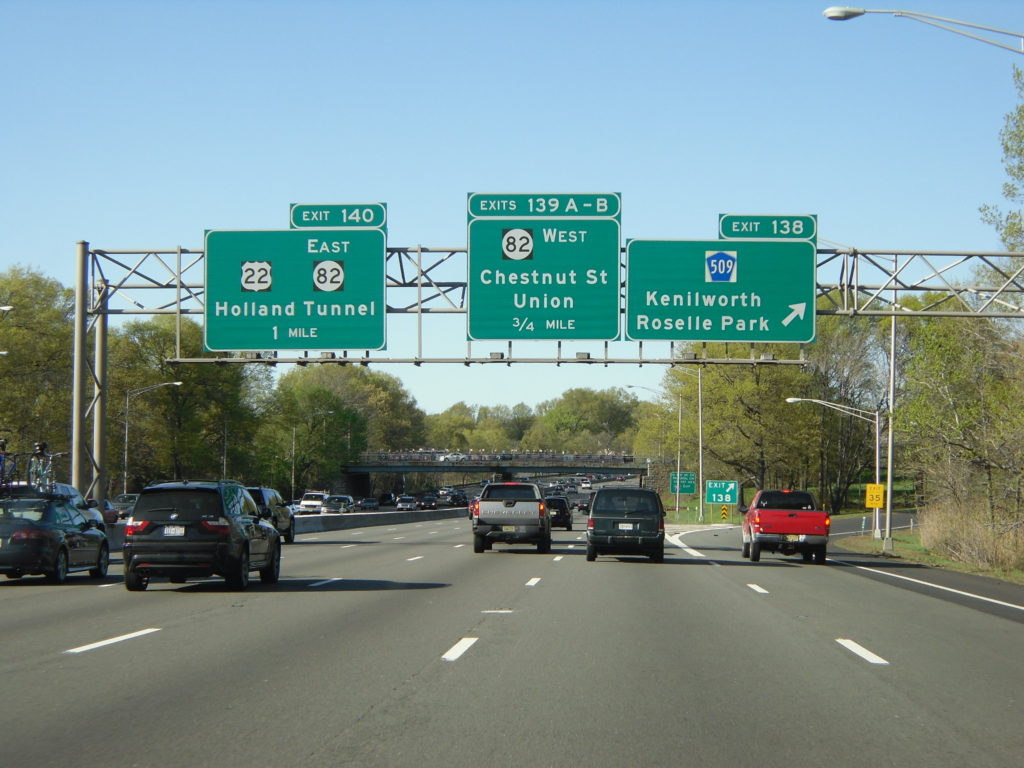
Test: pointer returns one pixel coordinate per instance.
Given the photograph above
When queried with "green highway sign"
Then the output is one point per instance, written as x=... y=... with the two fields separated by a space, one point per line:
x=720 y=290
x=683 y=482
x=341 y=215
x=543 y=266
x=732 y=226
x=721 y=492
x=308 y=289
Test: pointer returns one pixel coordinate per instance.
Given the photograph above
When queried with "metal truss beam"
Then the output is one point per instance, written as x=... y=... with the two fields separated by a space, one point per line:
x=427 y=284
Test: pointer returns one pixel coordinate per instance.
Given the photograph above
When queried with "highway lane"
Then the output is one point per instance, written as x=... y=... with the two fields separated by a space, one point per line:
x=614 y=662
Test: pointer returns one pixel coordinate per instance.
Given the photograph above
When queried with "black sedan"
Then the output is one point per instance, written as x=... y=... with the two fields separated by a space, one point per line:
x=51 y=537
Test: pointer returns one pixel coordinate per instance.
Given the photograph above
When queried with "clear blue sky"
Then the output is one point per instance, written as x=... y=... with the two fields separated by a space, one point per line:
x=140 y=124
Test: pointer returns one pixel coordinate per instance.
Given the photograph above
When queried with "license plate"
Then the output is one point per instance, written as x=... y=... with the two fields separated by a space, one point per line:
x=627 y=526
x=794 y=537
x=508 y=528
x=174 y=530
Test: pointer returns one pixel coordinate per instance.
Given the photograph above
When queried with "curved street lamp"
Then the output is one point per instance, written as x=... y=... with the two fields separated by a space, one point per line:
x=127 y=402
x=875 y=417
x=843 y=13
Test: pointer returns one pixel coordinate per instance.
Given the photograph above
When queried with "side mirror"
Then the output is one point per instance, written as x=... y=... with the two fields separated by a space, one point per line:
x=91 y=503
x=743 y=510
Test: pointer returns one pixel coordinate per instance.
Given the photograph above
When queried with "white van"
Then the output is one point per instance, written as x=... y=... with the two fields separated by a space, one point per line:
x=311 y=502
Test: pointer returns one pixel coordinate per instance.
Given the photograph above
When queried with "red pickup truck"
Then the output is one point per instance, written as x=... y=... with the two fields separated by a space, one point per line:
x=787 y=522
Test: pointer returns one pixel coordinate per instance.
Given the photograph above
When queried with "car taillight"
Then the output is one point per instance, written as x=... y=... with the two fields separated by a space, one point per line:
x=828 y=521
x=590 y=523
x=219 y=526
x=476 y=508
x=28 y=534
x=661 y=524
x=542 y=510
x=136 y=528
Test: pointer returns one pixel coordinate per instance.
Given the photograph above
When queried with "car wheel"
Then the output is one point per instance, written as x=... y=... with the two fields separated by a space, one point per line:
x=60 y=568
x=821 y=555
x=102 y=563
x=238 y=578
x=807 y=555
x=479 y=542
x=544 y=545
x=271 y=572
x=14 y=575
x=591 y=553
x=745 y=551
x=289 y=536
x=134 y=581
x=755 y=551
x=658 y=556
x=569 y=526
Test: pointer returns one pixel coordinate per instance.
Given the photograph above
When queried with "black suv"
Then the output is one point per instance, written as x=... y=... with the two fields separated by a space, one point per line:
x=629 y=521
x=272 y=507
x=560 y=511
x=186 y=528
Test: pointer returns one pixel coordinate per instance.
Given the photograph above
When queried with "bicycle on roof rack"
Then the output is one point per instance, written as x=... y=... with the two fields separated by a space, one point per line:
x=40 y=468
x=8 y=465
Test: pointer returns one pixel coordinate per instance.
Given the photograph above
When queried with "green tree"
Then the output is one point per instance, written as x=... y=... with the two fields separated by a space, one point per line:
x=1010 y=224
x=204 y=428
x=36 y=335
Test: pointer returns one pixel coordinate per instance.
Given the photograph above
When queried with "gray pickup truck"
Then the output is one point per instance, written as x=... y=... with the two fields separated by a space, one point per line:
x=513 y=513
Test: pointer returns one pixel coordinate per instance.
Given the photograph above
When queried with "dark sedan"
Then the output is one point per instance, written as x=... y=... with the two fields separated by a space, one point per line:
x=51 y=537
x=427 y=502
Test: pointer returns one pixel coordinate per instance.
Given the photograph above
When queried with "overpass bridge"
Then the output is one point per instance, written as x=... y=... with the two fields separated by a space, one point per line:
x=503 y=465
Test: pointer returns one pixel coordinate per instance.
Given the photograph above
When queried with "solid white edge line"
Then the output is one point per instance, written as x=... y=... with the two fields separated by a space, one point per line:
x=861 y=651
x=453 y=653
x=756 y=588
x=933 y=586
x=111 y=641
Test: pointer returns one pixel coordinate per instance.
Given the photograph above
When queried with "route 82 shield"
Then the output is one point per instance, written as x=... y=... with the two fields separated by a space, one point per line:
x=517 y=244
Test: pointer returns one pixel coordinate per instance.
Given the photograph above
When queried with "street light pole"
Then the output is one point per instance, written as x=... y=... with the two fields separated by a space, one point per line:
x=870 y=416
x=127 y=402
x=679 y=437
x=843 y=13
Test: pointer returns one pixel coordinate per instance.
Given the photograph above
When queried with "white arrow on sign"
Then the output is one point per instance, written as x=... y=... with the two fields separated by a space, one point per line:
x=798 y=311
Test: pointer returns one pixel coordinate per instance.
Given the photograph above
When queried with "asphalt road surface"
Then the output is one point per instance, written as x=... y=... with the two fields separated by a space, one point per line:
x=397 y=646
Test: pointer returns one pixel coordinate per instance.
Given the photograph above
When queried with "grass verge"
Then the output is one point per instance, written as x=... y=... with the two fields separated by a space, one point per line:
x=907 y=545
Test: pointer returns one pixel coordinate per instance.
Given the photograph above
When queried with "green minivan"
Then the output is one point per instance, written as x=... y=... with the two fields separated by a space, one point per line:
x=626 y=521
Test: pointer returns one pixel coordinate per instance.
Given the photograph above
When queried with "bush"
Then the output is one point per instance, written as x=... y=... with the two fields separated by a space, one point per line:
x=971 y=536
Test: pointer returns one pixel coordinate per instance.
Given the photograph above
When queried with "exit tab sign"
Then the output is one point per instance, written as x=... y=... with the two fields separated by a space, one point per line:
x=338 y=215
x=734 y=226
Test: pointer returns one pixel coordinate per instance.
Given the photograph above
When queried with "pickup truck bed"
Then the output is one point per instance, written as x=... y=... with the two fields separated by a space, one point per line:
x=511 y=513
x=785 y=521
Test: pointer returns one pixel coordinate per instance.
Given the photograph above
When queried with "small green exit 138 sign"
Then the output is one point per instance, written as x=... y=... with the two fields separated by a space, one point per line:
x=308 y=289
x=543 y=266
x=732 y=226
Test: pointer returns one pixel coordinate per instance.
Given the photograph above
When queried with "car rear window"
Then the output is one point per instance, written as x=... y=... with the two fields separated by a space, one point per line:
x=498 y=491
x=557 y=503
x=619 y=501
x=189 y=504
x=28 y=509
x=784 y=500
